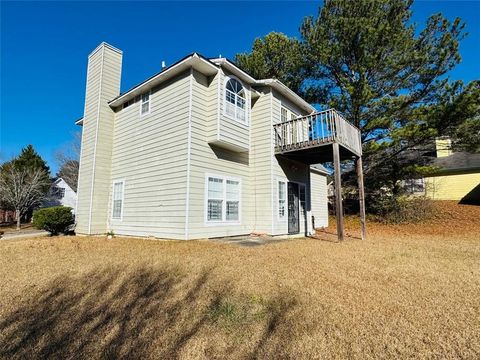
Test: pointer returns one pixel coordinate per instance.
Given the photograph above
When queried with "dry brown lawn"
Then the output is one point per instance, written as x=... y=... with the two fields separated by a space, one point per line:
x=406 y=292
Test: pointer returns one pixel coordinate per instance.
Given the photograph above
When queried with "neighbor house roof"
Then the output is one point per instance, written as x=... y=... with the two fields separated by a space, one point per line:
x=458 y=162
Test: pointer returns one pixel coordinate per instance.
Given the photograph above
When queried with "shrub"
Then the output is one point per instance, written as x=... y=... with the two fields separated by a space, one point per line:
x=403 y=209
x=55 y=219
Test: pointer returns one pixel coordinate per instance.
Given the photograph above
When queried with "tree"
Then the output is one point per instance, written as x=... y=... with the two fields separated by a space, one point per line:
x=22 y=188
x=24 y=182
x=389 y=78
x=275 y=56
x=30 y=159
x=68 y=161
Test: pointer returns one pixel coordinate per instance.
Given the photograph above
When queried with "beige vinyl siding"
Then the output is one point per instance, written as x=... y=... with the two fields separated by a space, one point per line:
x=287 y=170
x=319 y=199
x=261 y=156
x=230 y=131
x=212 y=159
x=150 y=155
x=103 y=84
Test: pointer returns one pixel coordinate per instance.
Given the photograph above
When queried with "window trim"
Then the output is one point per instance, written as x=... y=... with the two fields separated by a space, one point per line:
x=149 y=93
x=247 y=102
x=224 y=220
x=118 y=181
x=285 y=215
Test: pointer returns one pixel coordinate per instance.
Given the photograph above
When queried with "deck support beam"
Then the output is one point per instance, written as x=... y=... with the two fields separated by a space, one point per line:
x=361 y=196
x=338 y=191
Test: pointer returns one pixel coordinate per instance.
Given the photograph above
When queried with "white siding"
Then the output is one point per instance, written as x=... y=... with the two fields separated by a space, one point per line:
x=319 y=199
x=150 y=155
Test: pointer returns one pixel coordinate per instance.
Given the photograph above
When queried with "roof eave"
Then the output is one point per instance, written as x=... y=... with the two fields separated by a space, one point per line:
x=194 y=60
x=230 y=66
x=286 y=91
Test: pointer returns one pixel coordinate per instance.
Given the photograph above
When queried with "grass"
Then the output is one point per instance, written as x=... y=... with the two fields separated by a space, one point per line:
x=406 y=292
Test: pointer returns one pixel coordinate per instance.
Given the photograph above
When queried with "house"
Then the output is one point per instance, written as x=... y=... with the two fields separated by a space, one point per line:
x=457 y=177
x=61 y=194
x=200 y=150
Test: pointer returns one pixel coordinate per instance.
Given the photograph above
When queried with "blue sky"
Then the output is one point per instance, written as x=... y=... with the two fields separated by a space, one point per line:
x=44 y=48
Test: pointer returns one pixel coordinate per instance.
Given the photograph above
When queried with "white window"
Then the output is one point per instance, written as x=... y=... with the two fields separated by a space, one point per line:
x=235 y=101
x=302 y=196
x=145 y=104
x=415 y=186
x=58 y=192
x=117 y=206
x=223 y=199
x=284 y=114
x=282 y=199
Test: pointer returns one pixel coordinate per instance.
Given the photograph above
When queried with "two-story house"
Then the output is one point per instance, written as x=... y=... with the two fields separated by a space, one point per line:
x=202 y=150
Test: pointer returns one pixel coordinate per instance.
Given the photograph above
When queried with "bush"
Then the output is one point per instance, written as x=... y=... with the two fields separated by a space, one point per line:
x=55 y=219
x=403 y=209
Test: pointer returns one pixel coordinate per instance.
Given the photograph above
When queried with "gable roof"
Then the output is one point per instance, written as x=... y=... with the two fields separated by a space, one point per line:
x=59 y=179
x=193 y=60
x=208 y=67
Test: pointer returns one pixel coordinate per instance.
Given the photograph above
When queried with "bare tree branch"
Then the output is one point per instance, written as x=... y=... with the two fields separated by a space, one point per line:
x=22 y=189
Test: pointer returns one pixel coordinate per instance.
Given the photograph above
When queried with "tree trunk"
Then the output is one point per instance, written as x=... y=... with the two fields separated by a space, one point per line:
x=17 y=213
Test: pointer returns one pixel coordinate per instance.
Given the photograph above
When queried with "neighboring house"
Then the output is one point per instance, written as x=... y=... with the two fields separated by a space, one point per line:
x=457 y=178
x=61 y=194
x=202 y=150
x=7 y=216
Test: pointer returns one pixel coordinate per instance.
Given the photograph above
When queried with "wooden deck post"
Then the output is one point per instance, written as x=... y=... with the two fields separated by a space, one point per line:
x=338 y=191
x=361 y=197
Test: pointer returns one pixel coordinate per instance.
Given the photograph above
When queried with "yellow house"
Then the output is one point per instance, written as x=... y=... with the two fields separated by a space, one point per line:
x=458 y=177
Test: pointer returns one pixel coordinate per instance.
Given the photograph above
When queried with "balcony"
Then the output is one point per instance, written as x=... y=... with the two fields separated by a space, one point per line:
x=310 y=138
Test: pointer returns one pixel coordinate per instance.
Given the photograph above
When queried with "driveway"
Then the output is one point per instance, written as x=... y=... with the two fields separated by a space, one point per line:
x=26 y=233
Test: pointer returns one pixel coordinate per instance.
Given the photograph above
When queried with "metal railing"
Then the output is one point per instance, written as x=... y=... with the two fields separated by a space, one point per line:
x=317 y=129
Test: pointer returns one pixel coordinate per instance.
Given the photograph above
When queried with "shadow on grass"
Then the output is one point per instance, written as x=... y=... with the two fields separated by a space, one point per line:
x=146 y=312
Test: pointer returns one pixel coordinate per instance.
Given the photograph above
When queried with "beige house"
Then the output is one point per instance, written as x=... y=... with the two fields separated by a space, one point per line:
x=201 y=150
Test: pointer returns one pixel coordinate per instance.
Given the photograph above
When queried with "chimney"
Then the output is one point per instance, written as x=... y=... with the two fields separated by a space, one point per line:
x=163 y=65
x=103 y=84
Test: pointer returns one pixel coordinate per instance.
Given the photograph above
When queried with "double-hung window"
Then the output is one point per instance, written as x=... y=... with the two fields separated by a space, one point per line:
x=235 y=101
x=145 y=104
x=282 y=199
x=117 y=203
x=223 y=199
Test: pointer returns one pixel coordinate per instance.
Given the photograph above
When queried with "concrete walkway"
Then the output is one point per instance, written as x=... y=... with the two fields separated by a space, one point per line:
x=251 y=240
x=21 y=234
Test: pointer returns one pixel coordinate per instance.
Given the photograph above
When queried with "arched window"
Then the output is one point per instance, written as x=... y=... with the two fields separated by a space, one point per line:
x=235 y=100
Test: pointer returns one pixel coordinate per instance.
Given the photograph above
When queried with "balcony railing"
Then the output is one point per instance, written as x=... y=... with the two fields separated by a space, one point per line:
x=321 y=128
